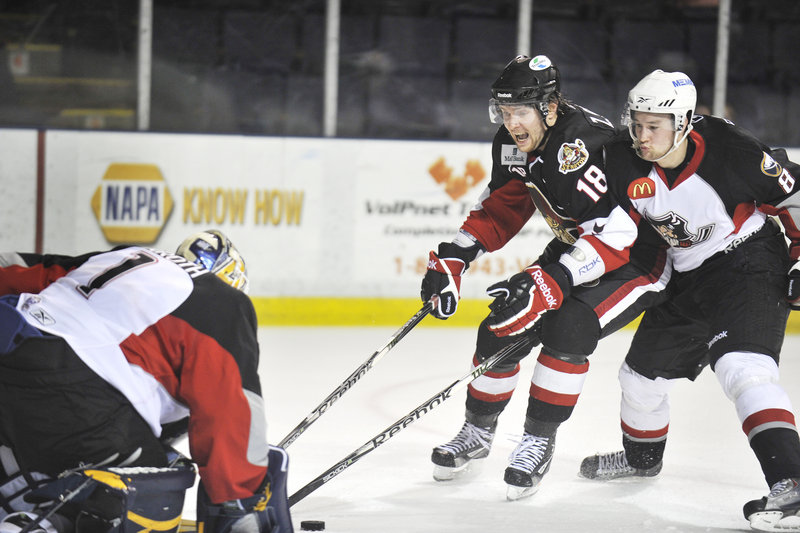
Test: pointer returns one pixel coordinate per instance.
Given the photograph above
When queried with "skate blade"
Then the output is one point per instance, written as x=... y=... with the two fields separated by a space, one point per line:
x=774 y=521
x=446 y=473
x=514 y=493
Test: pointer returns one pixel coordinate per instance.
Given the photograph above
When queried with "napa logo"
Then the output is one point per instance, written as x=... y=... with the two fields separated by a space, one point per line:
x=132 y=203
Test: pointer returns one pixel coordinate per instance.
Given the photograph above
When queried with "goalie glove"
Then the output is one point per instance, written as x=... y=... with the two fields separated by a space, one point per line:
x=520 y=301
x=793 y=291
x=442 y=281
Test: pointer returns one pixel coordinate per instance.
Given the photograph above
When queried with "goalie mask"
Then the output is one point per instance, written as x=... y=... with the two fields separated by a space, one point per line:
x=213 y=250
x=669 y=93
x=525 y=81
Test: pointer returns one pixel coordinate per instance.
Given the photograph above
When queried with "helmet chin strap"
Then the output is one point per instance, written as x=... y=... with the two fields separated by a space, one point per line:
x=675 y=144
x=547 y=127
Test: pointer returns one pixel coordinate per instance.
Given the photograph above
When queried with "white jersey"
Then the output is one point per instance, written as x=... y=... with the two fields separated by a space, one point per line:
x=692 y=218
x=718 y=197
x=95 y=322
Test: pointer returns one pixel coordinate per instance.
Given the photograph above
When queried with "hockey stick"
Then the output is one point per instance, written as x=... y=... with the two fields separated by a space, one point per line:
x=407 y=420
x=63 y=499
x=353 y=378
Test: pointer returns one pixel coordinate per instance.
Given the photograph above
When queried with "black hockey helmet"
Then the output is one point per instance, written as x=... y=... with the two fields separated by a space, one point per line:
x=525 y=81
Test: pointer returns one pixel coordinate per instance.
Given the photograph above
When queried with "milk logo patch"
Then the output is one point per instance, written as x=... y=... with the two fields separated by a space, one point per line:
x=511 y=155
x=572 y=156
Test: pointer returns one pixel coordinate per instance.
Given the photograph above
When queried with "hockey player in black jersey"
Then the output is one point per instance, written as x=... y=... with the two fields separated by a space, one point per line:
x=709 y=188
x=547 y=156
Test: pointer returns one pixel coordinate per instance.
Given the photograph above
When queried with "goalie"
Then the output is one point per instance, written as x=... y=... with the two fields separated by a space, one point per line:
x=98 y=353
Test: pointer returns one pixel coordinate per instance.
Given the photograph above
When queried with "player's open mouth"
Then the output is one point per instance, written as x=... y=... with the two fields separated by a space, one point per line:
x=522 y=137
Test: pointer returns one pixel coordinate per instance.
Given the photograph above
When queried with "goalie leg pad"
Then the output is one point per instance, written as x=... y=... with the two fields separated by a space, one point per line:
x=121 y=500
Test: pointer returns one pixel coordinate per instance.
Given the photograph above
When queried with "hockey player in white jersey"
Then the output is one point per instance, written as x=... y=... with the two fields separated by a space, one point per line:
x=99 y=353
x=709 y=188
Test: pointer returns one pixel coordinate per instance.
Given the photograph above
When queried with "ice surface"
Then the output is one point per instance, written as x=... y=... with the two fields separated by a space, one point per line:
x=709 y=470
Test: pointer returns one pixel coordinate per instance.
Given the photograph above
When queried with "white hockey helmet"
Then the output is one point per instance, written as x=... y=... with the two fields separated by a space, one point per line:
x=671 y=93
x=214 y=250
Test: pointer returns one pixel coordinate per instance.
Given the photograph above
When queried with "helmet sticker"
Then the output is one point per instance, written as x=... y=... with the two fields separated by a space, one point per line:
x=540 y=63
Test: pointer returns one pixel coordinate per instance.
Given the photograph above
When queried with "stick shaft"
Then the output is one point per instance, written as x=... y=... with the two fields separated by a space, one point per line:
x=357 y=374
x=408 y=419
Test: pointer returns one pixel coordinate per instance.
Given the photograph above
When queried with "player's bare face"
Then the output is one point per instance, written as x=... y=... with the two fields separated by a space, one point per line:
x=525 y=124
x=655 y=134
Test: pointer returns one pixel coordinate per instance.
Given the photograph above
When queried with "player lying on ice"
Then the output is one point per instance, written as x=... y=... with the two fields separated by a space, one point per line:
x=97 y=354
x=708 y=188
x=547 y=155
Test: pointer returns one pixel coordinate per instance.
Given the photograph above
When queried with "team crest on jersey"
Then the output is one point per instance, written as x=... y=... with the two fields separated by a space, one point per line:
x=770 y=167
x=572 y=156
x=641 y=188
x=675 y=230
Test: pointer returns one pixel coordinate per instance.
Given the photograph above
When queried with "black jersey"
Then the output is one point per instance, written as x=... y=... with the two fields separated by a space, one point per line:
x=559 y=180
x=722 y=193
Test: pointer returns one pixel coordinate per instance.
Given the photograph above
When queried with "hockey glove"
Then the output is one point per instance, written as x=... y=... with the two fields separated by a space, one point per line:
x=793 y=292
x=521 y=300
x=443 y=278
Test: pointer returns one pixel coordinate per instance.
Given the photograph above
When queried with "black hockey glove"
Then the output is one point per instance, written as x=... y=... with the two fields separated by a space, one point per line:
x=443 y=278
x=793 y=292
x=520 y=301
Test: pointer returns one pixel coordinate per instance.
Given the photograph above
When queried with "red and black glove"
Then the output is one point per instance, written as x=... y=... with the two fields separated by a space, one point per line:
x=520 y=301
x=443 y=278
x=793 y=291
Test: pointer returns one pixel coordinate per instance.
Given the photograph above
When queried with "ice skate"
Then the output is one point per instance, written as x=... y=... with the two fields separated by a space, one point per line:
x=529 y=462
x=455 y=458
x=614 y=465
x=779 y=510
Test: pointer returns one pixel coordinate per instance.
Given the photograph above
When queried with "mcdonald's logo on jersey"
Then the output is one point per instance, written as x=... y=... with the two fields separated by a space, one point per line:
x=641 y=188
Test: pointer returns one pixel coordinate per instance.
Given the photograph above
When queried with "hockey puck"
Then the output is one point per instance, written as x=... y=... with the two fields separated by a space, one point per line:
x=312 y=525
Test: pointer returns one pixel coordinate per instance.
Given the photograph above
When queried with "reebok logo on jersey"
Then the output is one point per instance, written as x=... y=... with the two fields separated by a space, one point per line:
x=641 y=188
x=572 y=156
x=719 y=336
x=41 y=316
